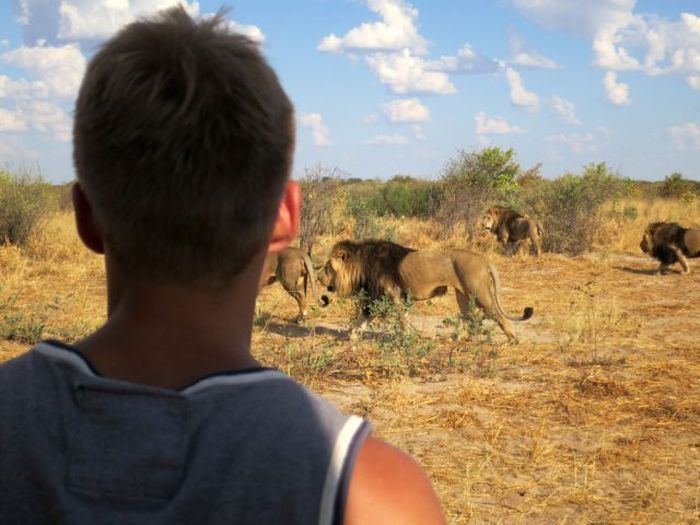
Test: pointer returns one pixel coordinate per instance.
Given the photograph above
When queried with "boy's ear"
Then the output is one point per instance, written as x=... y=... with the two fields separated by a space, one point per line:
x=88 y=231
x=287 y=223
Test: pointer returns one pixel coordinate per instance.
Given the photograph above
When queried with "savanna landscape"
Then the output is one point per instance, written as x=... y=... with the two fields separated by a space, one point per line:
x=593 y=417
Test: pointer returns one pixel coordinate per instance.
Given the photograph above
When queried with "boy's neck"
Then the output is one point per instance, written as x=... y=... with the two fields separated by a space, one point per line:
x=170 y=336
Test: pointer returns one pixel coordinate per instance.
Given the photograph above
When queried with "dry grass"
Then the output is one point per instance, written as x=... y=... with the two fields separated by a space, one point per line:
x=593 y=418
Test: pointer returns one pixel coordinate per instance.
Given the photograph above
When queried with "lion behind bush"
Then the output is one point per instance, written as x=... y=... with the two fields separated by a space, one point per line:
x=511 y=227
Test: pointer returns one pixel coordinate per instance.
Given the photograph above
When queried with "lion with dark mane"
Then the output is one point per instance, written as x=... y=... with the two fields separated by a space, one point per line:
x=511 y=227
x=669 y=242
x=386 y=268
x=293 y=269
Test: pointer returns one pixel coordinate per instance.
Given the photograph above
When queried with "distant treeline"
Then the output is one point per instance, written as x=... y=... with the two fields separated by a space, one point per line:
x=569 y=206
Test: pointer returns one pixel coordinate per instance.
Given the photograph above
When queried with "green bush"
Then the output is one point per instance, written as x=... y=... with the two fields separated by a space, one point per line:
x=405 y=197
x=474 y=179
x=570 y=207
x=675 y=186
x=25 y=200
x=364 y=217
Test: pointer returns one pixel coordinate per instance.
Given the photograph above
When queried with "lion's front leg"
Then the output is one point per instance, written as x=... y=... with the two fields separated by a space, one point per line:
x=662 y=269
x=359 y=325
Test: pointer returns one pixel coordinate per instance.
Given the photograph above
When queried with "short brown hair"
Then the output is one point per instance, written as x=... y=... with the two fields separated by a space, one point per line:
x=182 y=144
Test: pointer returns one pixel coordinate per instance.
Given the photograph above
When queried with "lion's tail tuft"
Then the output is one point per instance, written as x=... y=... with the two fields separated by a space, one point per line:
x=527 y=313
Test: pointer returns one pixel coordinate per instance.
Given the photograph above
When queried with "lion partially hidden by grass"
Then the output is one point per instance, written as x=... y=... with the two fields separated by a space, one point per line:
x=383 y=267
x=669 y=242
x=293 y=269
x=510 y=227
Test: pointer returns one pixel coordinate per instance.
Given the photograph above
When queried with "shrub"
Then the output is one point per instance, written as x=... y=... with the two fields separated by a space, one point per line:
x=472 y=180
x=570 y=208
x=319 y=194
x=401 y=348
x=25 y=199
x=675 y=186
x=364 y=218
x=405 y=197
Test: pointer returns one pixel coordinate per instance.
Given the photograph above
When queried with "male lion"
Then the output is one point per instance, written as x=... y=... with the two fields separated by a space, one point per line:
x=669 y=242
x=383 y=267
x=293 y=269
x=511 y=227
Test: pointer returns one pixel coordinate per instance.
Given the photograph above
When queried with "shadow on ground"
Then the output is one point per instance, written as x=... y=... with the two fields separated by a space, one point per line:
x=638 y=271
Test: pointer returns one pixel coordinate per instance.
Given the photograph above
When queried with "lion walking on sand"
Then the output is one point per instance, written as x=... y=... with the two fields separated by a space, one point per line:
x=382 y=267
x=669 y=242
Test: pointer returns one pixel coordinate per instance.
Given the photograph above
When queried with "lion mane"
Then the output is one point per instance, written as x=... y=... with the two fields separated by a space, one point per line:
x=669 y=242
x=378 y=268
x=511 y=227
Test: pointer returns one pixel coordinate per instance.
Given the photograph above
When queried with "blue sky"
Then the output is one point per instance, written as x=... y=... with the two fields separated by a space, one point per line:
x=385 y=87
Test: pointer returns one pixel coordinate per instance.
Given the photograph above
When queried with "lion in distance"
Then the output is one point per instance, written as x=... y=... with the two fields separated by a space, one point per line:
x=669 y=242
x=383 y=267
x=293 y=269
x=510 y=227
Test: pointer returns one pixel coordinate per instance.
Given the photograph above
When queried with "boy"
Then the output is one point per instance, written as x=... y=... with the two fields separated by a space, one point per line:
x=183 y=141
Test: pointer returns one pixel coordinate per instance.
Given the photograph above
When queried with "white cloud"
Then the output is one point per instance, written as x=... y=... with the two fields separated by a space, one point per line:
x=566 y=110
x=404 y=72
x=98 y=19
x=518 y=94
x=579 y=144
x=47 y=117
x=493 y=125
x=623 y=40
x=694 y=81
x=396 y=31
x=523 y=57
x=12 y=121
x=582 y=18
x=394 y=50
x=19 y=89
x=418 y=132
x=38 y=115
x=394 y=138
x=467 y=60
x=617 y=92
x=406 y=110
x=685 y=137
x=251 y=31
x=61 y=69
x=319 y=131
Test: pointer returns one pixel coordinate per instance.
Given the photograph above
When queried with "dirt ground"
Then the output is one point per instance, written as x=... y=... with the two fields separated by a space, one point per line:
x=593 y=418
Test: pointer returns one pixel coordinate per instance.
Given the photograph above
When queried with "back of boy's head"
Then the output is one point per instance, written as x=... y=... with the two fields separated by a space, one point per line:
x=182 y=145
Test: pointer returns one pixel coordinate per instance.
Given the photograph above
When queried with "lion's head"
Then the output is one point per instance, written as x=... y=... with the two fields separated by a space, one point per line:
x=342 y=272
x=490 y=219
x=370 y=265
x=648 y=244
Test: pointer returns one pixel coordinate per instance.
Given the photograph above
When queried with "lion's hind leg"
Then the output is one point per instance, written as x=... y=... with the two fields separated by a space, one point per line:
x=487 y=304
x=681 y=259
x=298 y=292
x=536 y=239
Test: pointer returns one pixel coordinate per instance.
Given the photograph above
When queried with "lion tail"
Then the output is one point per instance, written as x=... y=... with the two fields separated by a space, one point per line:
x=310 y=276
x=527 y=312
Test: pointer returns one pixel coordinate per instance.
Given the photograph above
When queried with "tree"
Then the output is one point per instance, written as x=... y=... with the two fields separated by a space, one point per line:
x=319 y=189
x=472 y=180
x=676 y=186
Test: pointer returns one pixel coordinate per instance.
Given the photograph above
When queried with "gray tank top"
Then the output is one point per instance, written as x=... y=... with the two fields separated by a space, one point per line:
x=247 y=447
